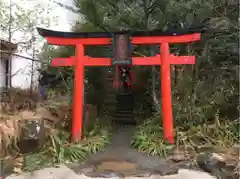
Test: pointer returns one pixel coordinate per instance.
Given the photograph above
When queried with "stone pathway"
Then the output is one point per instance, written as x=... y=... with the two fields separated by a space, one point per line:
x=64 y=172
x=120 y=160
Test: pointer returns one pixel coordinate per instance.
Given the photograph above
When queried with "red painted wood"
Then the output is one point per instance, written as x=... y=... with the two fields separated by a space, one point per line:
x=58 y=62
x=147 y=61
x=166 y=93
x=135 y=40
x=144 y=61
x=86 y=61
x=97 y=61
x=166 y=39
x=74 y=41
x=78 y=95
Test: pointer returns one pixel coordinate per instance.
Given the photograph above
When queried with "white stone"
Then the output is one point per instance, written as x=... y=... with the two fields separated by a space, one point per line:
x=65 y=173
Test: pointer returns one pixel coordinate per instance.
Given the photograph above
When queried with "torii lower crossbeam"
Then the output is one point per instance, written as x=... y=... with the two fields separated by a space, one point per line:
x=165 y=59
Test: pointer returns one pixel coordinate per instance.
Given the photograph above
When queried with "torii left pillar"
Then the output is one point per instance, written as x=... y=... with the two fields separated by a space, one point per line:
x=78 y=94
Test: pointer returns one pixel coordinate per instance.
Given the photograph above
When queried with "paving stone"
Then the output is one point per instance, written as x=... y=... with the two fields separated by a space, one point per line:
x=217 y=165
x=137 y=173
x=88 y=169
x=105 y=174
x=118 y=166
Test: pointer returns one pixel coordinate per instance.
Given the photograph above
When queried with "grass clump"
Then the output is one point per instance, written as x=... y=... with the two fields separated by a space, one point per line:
x=222 y=133
x=149 y=136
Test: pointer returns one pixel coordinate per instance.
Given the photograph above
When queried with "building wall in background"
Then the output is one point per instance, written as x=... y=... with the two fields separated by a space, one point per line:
x=22 y=73
x=2 y=72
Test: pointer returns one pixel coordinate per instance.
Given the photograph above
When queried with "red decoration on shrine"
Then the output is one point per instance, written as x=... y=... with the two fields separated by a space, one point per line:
x=164 y=59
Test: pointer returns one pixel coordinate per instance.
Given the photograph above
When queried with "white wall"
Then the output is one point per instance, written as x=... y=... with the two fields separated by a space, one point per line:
x=2 y=72
x=21 y=72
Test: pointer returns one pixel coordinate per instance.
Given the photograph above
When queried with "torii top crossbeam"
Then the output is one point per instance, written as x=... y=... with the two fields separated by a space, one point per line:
x=105 y=38
x=165 y=59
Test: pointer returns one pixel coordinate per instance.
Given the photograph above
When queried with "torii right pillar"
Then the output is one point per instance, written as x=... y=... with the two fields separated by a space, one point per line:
x=166 y=92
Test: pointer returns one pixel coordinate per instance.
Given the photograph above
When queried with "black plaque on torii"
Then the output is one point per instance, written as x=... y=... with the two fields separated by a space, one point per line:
x=122 y=49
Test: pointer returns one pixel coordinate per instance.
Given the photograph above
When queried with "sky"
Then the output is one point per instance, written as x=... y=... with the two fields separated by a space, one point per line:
x=66 y=18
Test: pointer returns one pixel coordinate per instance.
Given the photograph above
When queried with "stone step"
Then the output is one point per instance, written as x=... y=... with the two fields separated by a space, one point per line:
x=124 y=96
x=122 y=104
x=123 y=117
x=124 y=108
x=127 y=106
x=125 y=103
x=125 y=121
x=109 y=103
x=124 y=112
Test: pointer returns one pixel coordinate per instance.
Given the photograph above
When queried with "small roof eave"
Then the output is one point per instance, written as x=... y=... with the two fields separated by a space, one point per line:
x=6 y=46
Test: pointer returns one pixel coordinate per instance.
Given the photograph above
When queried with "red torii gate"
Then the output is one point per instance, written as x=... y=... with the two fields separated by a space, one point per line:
x=79 y=40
